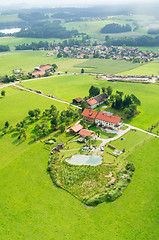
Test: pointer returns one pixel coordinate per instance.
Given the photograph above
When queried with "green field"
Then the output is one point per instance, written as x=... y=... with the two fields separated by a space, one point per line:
x=78 y=86
x=146 y=69
x=107 y=66
x=16 y=104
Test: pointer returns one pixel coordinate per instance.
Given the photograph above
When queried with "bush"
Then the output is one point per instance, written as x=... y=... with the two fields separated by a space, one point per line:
x=130 y=167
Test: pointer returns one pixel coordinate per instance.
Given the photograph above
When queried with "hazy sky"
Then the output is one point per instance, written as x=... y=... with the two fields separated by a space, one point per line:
x=60 y=3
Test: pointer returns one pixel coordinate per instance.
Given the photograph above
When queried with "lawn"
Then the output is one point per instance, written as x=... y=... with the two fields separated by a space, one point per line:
x=146 y=69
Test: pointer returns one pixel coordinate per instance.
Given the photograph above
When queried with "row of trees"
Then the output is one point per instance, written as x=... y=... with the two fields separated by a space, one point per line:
x=136 y=42
x=85 y=41
x=115 y=28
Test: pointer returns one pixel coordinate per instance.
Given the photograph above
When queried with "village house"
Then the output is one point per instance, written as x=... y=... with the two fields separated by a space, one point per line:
x=97 y=100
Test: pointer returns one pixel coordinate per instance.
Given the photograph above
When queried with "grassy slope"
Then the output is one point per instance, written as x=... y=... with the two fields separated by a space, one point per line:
x=78 y=86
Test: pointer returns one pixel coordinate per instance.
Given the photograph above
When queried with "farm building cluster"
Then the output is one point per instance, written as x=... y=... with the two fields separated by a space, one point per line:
x=102 y=119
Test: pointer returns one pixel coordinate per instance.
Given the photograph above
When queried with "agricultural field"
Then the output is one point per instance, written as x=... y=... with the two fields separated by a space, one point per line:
x=78 y=86
x=151 y=68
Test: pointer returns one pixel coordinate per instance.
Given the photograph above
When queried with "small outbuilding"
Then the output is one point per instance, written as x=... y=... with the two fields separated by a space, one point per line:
x=75 y=129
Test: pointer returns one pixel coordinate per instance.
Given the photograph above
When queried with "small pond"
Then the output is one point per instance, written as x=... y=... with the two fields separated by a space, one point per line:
x=82 y=159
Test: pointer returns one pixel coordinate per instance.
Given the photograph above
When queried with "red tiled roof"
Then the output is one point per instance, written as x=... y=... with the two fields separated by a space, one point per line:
x=39 y=73
x=45 y=67
x=89 y=113
x=85 y=132
x=106 y=118
x=76 y=128
x=91 y=101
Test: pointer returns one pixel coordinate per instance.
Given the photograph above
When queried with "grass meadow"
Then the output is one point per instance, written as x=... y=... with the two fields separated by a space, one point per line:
x=69 y=87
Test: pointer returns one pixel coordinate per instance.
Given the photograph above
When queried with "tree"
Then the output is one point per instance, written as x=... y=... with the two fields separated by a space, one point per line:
x=3 y=93
x=103 y=89
x=93 y=91
x=62 y=128
x=31 y=113
x=109 y=90
x=98 y=132
x=82 y=70
x=6 y=124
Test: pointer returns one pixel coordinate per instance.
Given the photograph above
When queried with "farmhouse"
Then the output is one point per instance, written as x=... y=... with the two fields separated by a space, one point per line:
x=97 y=100
x=75 y=129
x=89 y=115
x=40 y=71
x=101 y=119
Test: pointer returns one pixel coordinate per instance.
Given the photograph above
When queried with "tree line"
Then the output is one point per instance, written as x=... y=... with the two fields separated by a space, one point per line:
x=85 y=41
x=136 y=42
x=4 y=48
x=115 y=28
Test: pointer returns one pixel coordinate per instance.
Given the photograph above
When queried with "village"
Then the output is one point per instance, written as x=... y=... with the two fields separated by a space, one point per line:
x=103 y=52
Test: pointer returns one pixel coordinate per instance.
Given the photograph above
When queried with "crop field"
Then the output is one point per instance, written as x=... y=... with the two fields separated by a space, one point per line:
x=78 y=86
x=146 y=69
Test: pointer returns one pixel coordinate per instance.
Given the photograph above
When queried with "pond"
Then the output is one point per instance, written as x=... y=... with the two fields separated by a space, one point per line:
x=82 y=159
x=10 y=30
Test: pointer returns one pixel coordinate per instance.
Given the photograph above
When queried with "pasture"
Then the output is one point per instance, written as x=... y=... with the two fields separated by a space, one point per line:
x=78 y=86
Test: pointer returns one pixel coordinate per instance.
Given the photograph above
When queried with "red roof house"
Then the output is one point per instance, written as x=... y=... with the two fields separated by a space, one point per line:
x=85 y=133
x=89 y=115
x=75 y=129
